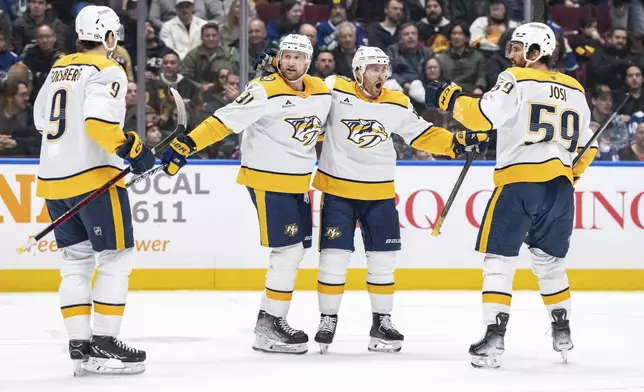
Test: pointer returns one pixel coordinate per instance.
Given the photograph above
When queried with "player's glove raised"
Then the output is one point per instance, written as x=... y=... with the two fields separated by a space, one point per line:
x=136 y=153
x=441 y=95
x=266 y=61
x=175 y=154
x=465 y=141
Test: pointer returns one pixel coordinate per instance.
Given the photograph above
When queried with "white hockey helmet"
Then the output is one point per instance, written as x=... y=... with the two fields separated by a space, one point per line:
x=535 y=33
x=297 y=43
x=367 y=55
x=94 y=22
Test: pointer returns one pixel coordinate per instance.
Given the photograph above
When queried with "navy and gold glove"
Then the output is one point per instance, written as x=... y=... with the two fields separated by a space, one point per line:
x=465 y=141
x=441 y=95
x=136 y=153
x=266 y=61
x=175 y=154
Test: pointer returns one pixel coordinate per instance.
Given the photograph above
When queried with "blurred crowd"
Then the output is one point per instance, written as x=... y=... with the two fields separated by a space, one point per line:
x=193 y=46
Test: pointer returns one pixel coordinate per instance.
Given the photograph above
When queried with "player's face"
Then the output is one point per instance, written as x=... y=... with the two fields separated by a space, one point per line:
x=374 y=77
x=515 y=54
x=292 y=64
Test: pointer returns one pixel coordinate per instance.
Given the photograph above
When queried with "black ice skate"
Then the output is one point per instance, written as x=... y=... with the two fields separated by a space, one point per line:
x=274 y=335
x=561 y=340
x=108 y=355
x=486 y=352
x=79 y=353
x=326 y=331
x=384 y=335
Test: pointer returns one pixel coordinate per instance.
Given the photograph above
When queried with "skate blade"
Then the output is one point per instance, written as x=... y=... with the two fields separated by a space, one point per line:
x=324 y=348
x=487 y=361
x=111 y=366
x=77 y=368
x=275 y=347
x=384 y=346
x=564 y=355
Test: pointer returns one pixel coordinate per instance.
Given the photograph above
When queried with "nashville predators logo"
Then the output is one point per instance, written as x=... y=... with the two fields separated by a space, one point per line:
x=291 y=229
x=332 y=233
x=306 y=129
x=366 y=133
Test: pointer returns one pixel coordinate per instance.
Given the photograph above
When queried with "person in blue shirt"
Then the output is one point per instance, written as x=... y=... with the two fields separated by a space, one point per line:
x=327 y=36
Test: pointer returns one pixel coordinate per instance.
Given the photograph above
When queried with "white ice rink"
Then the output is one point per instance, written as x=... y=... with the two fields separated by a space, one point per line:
x=201 y=341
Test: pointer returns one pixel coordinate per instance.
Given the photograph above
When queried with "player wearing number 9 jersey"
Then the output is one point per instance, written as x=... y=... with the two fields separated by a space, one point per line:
x=80 y=112
x=542 y=121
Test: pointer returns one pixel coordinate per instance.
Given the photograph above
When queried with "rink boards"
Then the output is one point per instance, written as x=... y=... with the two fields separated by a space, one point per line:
x=199 y=230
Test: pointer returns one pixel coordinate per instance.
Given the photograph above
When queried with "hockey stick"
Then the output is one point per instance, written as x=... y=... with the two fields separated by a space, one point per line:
x=600 y=130
x=156 y=151
x=452 y=195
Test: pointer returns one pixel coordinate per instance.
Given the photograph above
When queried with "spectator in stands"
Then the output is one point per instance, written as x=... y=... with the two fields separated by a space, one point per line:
x=229 y=29
x=566 y=58
x=38 y=14
x=431 y=71
x=130 y=108
x=628 y=14
x=310 y=31
x=6 y=27
x=327 y=29
x=129 y=21
x=344 y=52
x=498 y=62
x=383 y=34
x=11 y=8
x=288 y=21
x=152 y=134
x=122 y=57
x=41 y=58
x=257 y=42
x=155 y=49
x=170 y=76
x=183 y=32
x=217 y=10
x=7 y=57
x=324 y=64
x=433 y=28
x=408 y=57
x=587 y=41
x=202 y=63
x=634 y=151
x=467 y=11
x=608 y=65
x=229 y=93
x=461 y=63
x=18 y=135
x=634 y=88
x=616 y=135
x=486 y=31
x=162 y=11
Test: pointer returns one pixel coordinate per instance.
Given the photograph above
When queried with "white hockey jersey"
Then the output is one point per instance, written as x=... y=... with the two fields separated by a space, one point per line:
x=80 y=112
x=542 y=120
x=281 y=129
x=358 y=158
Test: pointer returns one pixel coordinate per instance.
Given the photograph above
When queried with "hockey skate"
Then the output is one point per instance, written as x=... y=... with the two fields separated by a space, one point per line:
x=79 y=353
x=487 y=351
x=561 y=340
x=109 y=355
x=274 y=335
x=384 y=335
x=326 y=331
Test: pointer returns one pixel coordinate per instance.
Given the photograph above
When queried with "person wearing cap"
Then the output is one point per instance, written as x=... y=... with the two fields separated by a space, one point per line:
x=183 y=32
x=327 y=29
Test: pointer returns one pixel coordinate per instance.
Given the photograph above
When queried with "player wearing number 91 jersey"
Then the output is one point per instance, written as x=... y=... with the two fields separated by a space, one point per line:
x=80 y=112
x=542 y=121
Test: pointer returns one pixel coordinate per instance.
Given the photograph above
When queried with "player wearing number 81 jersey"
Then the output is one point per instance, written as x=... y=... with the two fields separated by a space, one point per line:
x=542 y=121
x=80 y=112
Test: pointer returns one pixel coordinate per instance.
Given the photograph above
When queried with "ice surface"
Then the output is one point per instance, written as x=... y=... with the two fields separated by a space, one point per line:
x=201 y=341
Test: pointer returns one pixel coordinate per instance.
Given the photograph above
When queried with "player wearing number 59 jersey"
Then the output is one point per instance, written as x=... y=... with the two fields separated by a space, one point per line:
x=80 y=112
x=542 y=121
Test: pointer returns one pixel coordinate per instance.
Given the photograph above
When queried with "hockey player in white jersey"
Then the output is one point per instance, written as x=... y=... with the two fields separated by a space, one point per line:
x=282 y=115
x=542 y=121
x=356 y=175
x=80 y=112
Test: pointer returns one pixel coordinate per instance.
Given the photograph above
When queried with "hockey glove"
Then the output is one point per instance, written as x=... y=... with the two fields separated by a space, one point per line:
x=466 y=141
x=175 y=154
x=266 y=61
x=441 y=95
x=136 y=153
